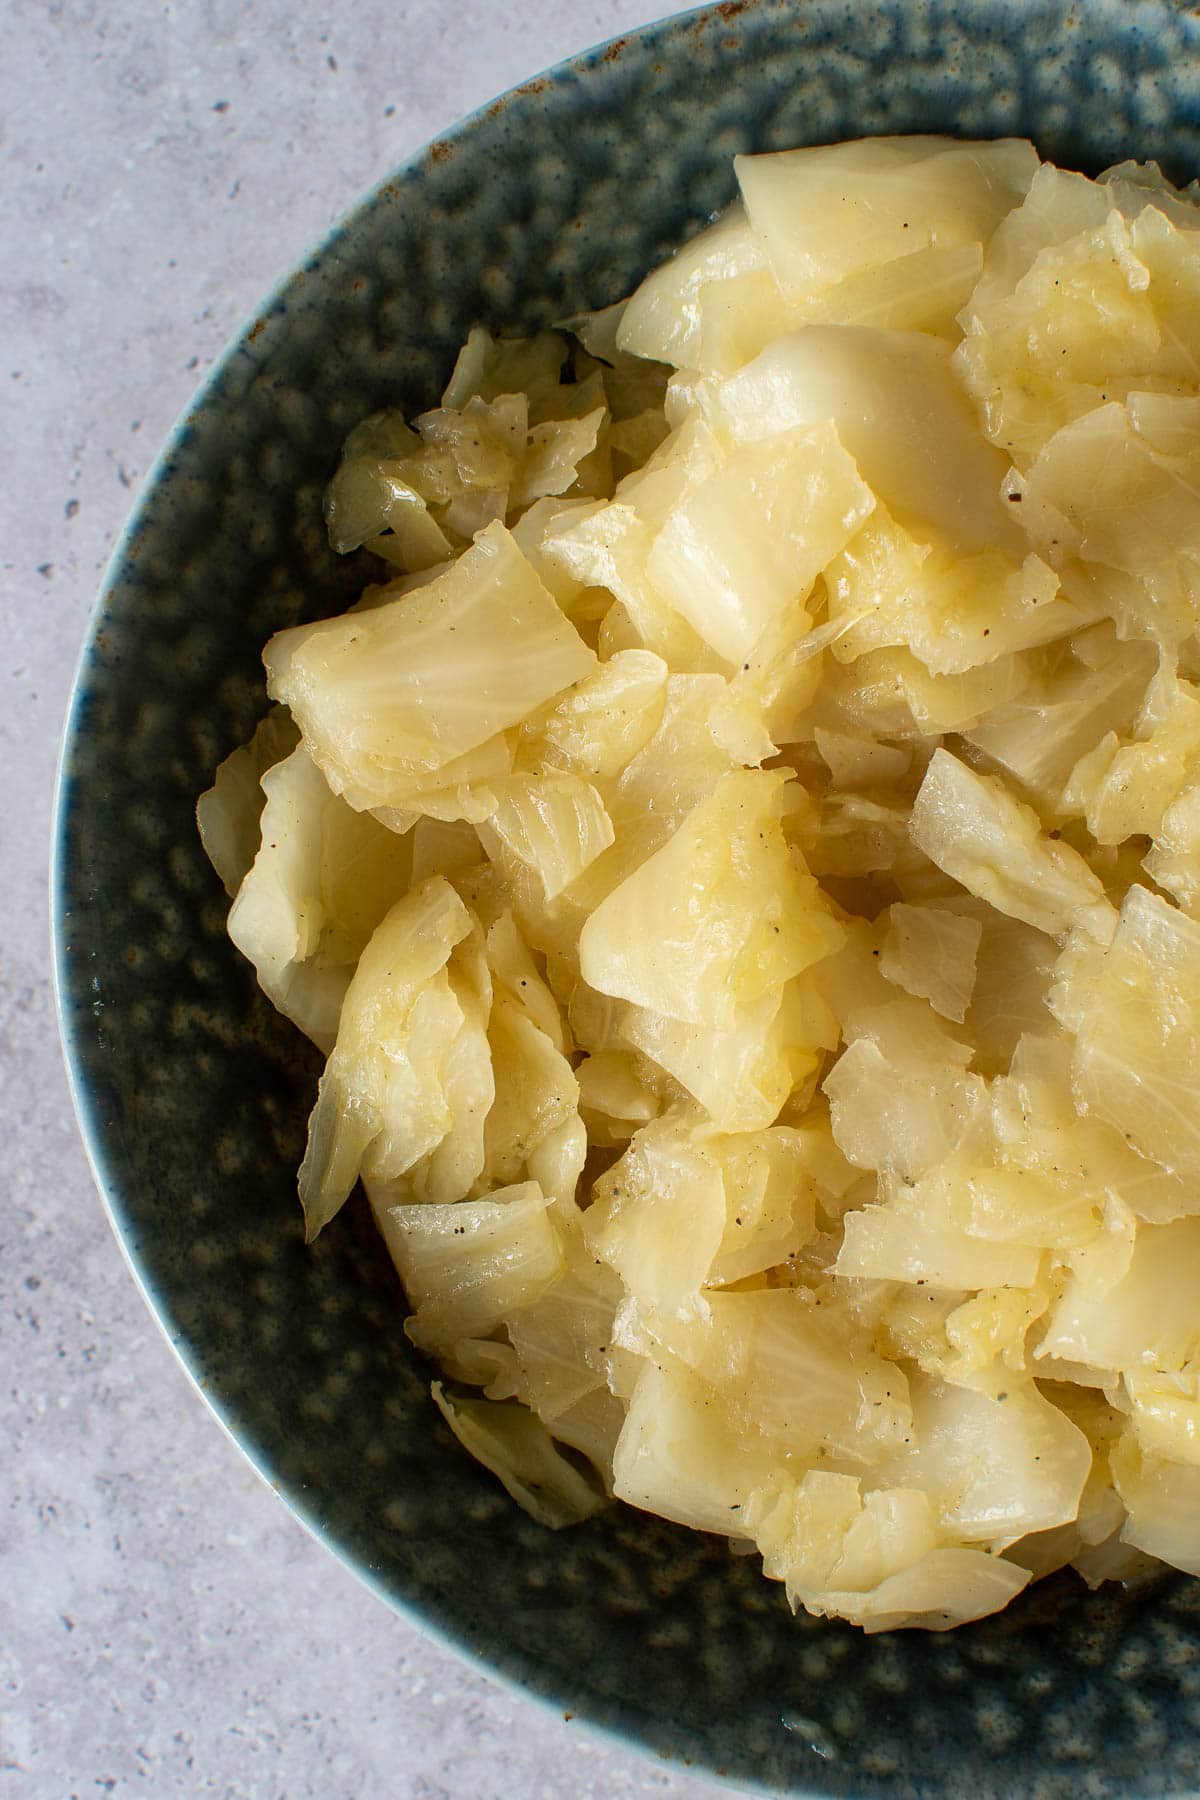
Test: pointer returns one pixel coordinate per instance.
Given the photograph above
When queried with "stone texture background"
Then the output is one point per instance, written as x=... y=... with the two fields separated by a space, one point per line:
x=165 y=1627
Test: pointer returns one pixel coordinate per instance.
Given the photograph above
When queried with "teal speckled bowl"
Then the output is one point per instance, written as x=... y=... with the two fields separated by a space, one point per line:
x=193 y=1094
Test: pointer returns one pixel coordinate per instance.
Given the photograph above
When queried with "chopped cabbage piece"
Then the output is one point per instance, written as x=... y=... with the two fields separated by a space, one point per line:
x=717 y=918
x=536 y=1101
x=1173 y=860
x=322 y=880
x=860 y=762
x=930 y=952
x=772 y=1185
x=1137 y=1039
x=832 y=211
x=740 y=314
x=898 y=410
x=507 y=1439
x=443 y=847
x=1014 y=966
x=681 y=1457
x=756 y=534
x=369 y=502
x=900 y=1097
x=515 y=970
x=554 y=452
x=555 y=825
x=598 y=726
x=617 y=1093
x=610 y=546
x=916 y=1237
x=1040 y=735
x=702 y=736
x=662 y=319
x=1123 y=790
x=382 y=1103
x=997 y=1466
x=1079 y=319
x=658 y=1217
x=227 y=813
x=562 y=1340
x=879 y=1559
x=1166 y=1411
x=974 y=829
x=1162 y=1498
x=466 y=1267
x=954 y=614
x=743 y=1073
x=390 y=697
x=489 y=367
x=1120 y=486
x=785 y=1367
x=1149 y=1317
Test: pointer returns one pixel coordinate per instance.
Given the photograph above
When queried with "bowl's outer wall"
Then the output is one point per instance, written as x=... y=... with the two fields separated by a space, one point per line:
x=194 y=1094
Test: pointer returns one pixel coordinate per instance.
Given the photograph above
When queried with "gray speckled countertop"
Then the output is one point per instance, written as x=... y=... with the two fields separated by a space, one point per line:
x=165 y=1627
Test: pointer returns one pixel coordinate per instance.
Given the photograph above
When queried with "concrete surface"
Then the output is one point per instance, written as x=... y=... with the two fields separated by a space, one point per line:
x=165 y=1628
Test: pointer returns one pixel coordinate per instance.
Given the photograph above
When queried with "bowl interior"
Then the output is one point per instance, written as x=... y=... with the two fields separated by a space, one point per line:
x=194 y=1094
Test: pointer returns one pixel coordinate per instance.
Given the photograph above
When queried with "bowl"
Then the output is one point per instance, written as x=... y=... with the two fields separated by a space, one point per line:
x=193 y=1094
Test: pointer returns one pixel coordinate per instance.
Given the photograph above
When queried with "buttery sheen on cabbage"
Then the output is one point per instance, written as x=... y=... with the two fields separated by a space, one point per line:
x=742 y=864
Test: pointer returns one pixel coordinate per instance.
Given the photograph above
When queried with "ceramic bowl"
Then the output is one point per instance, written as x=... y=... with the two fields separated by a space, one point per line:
x=193 y=1094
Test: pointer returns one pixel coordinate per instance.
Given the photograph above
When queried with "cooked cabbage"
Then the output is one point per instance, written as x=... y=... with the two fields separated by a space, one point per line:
x=518 y=1449
x=718 y=918
x=742 y=861
x=321 y=881
x=228 y=813
x=394 y=701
